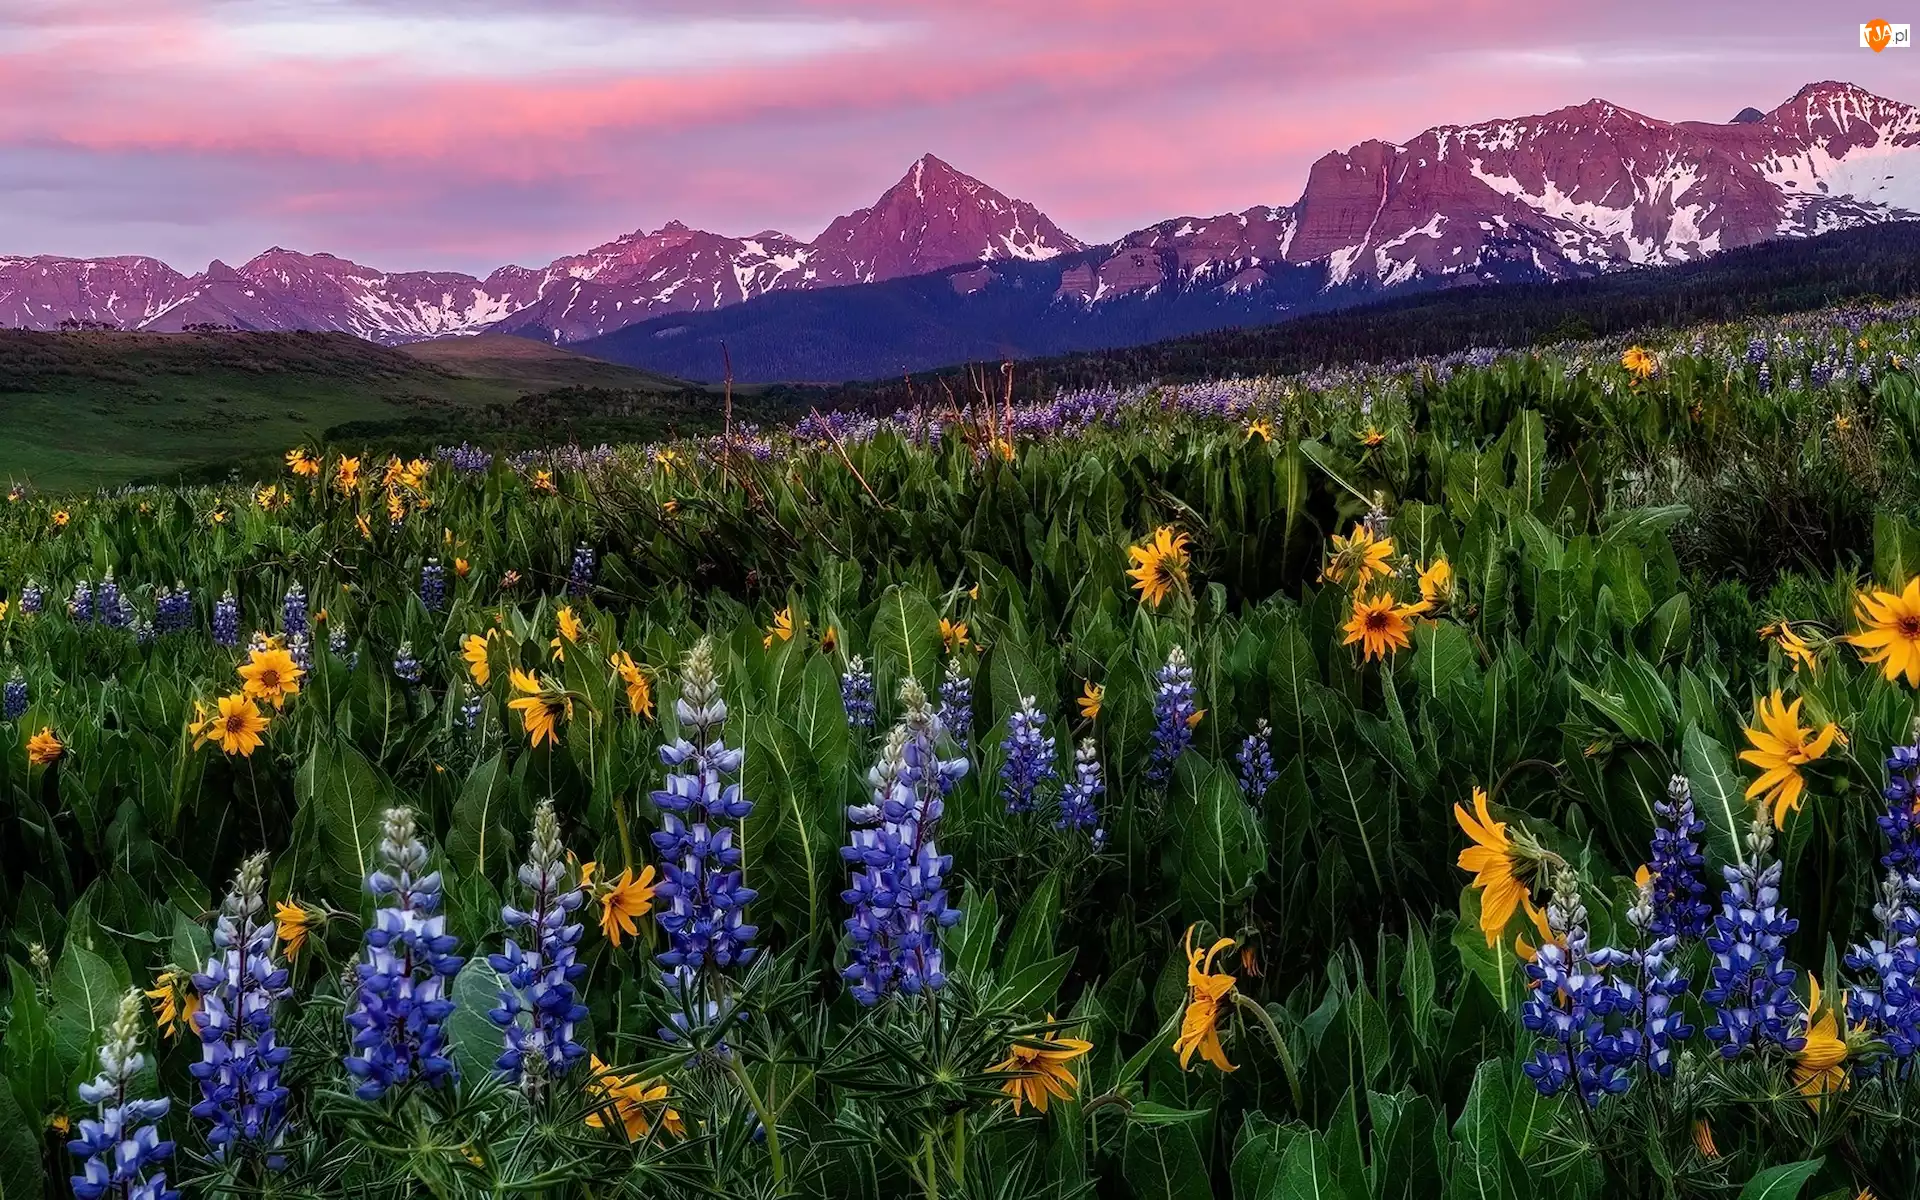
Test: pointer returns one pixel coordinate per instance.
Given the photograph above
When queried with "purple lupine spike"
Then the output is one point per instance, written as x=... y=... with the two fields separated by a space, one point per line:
x=1029 y=758
x=539 y=1006
x=898 y=889
x=240 y=1054
x=120 y=1148
x=398 y=1019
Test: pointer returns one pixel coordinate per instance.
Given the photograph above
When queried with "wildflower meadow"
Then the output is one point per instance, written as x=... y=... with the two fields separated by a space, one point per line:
x=1494 y=776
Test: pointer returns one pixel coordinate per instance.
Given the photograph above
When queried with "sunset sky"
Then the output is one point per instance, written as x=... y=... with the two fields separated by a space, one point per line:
x=461 y=134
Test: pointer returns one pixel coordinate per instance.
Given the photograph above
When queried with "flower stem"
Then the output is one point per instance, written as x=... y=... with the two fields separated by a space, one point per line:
x=1279 y=1045
x=766 y=1120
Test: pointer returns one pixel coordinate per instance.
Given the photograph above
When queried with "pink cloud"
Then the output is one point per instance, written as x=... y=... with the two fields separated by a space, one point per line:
x=1107 y=113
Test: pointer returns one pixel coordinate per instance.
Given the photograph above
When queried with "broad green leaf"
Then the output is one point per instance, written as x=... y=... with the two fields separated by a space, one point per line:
x=1718 y=794
x=1221 y=847
x=480 y=844
x=1782 y=1182
x=86 y=997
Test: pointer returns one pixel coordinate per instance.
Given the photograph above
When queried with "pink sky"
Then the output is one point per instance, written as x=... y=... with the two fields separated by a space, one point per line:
x=461 y=134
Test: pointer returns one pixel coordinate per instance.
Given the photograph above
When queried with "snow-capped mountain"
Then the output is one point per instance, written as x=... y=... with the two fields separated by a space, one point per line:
x=934 y=218
x=1573 y=192
x=1570 y=193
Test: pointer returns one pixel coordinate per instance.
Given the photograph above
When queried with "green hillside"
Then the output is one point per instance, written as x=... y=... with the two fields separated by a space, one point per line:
x=83 y=410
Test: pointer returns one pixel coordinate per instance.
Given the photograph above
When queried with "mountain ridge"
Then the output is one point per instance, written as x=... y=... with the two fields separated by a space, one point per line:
x=1577 y=191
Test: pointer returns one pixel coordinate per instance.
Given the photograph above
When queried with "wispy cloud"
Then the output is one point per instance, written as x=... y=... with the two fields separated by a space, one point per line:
x=465 y=132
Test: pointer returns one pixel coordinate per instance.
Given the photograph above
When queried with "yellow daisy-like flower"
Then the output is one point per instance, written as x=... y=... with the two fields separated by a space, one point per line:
x=60 y=518
x=1372 y=438
x=174 y=1002
x=781 y=628
x=414 y=474
x=271 y=675
x=630 y=1104
x=235 y=726
x=543 y=483
x=1891 y=636
x=623 y=900
x=1703 y=1140
x=365 y=527
x=1040 y=1069
x=1359 y=559
x=639 y=688
x=294 y=924
x=1091 y=696
x=1498 y=866
x=3 y=610
x=1159 y=565
x=1780 y=748
x=954 y=634
x=1207 y=990
x=302 y=464
x=474 y=648
x=543 y=707
x=1795 y=647
x=1527 y=951
x=1639 y=362
x=1436 y=583
x=1260 y=428
x=830 y=640
x=570 y=630
x=346 y=476
x=1380 y=625
x=462 y=568
x=44 y=749
x=1819 y=1066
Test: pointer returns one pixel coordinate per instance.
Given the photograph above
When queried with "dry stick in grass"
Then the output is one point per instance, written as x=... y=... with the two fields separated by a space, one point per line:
x=837 y=445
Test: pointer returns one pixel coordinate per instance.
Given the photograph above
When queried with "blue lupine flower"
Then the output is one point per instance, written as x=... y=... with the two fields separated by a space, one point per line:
x=1255 y=759
x=1756 y=350
x=433 y=585
x=471 y=702
x=1751 y=985
x=405 y=665
x=110 y=608
x=1886 y=995
x=1029 y=758
x=293 y=611
x=465 y=458
x=226 y=620
x=1080 y=798
x=337 y=641
x=397 y=1022
x=898 y=890
x=14 y=697
x=120 y=1147
x=856 y=694
x=539 y=1007
x=956 y=705
x=173 y=609
x=1173 y=711
x=705 y=919
x=80 y=604
x=1567 y=1009
x=33 y=598
x=1648 y=984
x=1766 y=378
x=1679 y=905
x=240 y=1056
x=580 y=574
x=300 y=650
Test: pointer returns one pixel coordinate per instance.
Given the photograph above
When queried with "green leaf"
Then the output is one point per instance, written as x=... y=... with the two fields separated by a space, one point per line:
x=350 y=803
x=86 y=998
x=1718 y=794
x=1306 y=1173
x=1221 y=847
x=1034 y=987
x=480 y=845
x=22 y=1174
x=1033 y=931
x=1479 y=1135
x=1161 y=1157
x=476 y=1040
x=1782 y=1182
x=971 y=942
x=1441 y=654
x=31 y=1063
x=1672 y=625
x=906 y=643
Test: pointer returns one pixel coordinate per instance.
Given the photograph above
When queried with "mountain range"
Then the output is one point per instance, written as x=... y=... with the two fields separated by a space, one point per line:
x=944 y=268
